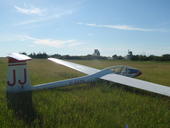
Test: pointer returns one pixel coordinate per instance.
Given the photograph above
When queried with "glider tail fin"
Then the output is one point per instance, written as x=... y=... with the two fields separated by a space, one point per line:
x=17 y=78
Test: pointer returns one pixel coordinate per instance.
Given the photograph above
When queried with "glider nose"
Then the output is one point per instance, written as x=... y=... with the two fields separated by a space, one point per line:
x=139 y=73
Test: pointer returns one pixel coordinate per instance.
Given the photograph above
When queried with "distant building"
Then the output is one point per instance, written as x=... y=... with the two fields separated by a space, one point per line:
x=96 y=52
x=129 y=55
x=114 y=57
x=109 y=58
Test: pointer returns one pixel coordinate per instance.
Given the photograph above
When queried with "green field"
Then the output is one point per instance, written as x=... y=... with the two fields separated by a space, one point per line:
x=99 y=104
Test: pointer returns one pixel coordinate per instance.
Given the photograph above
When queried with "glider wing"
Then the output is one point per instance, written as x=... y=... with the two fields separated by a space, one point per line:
x=78 y=67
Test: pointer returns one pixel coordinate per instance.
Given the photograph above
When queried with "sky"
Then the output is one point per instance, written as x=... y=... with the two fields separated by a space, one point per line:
x=77 y=27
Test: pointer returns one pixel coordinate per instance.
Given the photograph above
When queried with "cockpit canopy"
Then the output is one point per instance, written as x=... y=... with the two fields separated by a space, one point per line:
x=126 y=71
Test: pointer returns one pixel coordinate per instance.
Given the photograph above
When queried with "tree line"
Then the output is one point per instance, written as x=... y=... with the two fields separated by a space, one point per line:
x=165 y=57
x=45 y=55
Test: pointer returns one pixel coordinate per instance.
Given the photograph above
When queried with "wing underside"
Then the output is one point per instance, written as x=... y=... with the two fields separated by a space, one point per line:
x=136 y=83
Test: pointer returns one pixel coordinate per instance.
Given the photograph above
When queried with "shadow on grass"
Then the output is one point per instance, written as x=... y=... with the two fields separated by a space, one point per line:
x=84 y=86
x=21 y=104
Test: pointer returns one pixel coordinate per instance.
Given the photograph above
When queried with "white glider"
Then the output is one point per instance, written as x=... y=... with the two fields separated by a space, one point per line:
x=18 y=80
x=118 y=78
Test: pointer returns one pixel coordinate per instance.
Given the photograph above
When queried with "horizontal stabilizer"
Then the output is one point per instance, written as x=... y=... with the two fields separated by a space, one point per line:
x=19 y=57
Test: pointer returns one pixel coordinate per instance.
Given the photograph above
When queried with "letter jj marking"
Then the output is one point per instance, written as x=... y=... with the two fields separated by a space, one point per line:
x=19 y=81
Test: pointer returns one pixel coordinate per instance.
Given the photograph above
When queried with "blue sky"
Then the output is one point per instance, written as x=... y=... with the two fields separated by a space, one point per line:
x=77 y=27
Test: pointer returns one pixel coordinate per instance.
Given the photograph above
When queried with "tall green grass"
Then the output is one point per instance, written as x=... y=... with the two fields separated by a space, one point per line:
x=99 y=104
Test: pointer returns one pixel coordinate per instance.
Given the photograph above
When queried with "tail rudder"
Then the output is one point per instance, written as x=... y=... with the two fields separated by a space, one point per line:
x=18 y=78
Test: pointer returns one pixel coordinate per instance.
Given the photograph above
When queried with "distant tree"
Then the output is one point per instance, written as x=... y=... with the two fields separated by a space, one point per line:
x=165 y=57
x=152 y=57
x=39 y=55
x=96 y=52
x=56 y=56
x=120 y=57
x=24 y=53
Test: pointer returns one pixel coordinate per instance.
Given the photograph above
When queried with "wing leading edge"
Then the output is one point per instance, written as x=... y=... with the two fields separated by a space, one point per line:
x=141 y=84
x=78 y=67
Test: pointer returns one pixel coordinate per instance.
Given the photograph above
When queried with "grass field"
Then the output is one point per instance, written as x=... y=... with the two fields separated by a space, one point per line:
x=100 y=104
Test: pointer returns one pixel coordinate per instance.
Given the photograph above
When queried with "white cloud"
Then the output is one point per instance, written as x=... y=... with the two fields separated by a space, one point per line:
x=53 y=42
x=30 y=11
x=10 y=38
x=46 y=18
x=120 y=27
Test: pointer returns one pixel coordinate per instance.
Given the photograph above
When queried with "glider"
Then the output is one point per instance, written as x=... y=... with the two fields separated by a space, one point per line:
x=18 y=79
